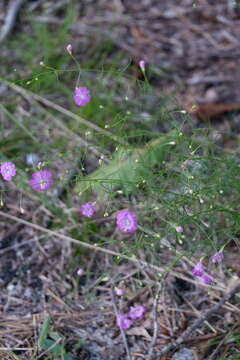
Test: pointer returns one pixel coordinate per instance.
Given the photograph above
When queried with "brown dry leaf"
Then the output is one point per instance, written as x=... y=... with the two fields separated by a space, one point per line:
x=202 y=342
x=212 y=111
x=147 y=324
x=139 y=331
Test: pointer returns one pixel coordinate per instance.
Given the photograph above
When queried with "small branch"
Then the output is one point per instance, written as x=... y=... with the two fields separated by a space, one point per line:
x=234 y=289
x=122 y=332
x=155 y=324
x=13 y=8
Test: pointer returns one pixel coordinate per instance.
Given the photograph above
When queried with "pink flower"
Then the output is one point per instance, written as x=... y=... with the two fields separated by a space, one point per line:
x=142 y=65
x=127 y=221
x=136 y=312
x=119 y=291
x=82 y=96
x=123 y=321
x=69 y=49
x=217 y=257
x=80 y=272
x=179 y=229
x=205 y=279
x=198 y=270
x=8 y=170
x=41 y=180
x=88 y=209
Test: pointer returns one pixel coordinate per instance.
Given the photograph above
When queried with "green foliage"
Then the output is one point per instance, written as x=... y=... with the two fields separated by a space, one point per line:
x=158 y=165
x=52 y=342
x=126 y=169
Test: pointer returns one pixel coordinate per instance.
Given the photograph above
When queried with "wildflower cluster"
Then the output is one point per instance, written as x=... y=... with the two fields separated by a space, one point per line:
x=125 y=321
x=199 y=269
x=126 y=219
x=41 y=180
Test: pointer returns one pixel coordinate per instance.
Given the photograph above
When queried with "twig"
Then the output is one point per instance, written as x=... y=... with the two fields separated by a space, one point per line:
x=122 y=332
x=16 y=246
x=15 y=349
x=198 y=313
x=102 y=249
x=234 y=289
x=227 y=336
x=13 y=8
x=155 y=324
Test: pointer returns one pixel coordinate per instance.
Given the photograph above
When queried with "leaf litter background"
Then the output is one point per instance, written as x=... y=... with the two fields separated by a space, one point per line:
x=194 y=51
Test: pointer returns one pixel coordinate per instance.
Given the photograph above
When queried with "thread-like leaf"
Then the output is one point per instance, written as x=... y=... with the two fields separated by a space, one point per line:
x=125 y=169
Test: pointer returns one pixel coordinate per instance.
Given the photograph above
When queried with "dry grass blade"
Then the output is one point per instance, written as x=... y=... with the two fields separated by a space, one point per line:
x=232 y=291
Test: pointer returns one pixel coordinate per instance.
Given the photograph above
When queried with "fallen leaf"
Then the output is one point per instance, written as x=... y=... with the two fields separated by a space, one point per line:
x=139 y=331
x=212 y=111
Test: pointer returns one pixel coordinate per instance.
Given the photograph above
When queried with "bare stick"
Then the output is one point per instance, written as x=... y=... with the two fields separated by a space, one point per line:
x=13 y=8
x=155 y=324
x=234 y=289
x=122 y=332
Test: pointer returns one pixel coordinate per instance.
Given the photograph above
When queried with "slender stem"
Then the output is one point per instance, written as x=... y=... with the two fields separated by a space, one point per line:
x=160 y=270
x=122 y=332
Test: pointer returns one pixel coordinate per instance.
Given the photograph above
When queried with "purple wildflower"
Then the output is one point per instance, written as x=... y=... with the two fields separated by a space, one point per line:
x=69 y=49
x=41 y=180
x=206 y=279
x=198 y=270
x=119 y=291
x=8 y=170
x=179 y=229
x=136 y=312
x=217 y=257
x=123 y=321
x=82 y=96
x=127 y=221
x=80 y=272
x=142 y=65
x=88 y=209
